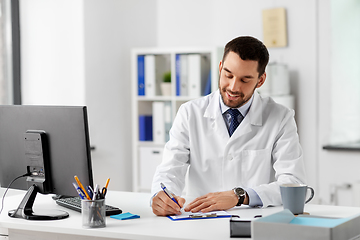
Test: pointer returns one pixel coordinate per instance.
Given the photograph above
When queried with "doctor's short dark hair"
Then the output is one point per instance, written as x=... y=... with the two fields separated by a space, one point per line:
x=249 y=48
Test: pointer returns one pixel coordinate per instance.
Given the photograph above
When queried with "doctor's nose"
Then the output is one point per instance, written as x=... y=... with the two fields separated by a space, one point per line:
x=234 y=85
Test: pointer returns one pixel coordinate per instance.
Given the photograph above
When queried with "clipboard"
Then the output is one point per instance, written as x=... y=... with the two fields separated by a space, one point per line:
x=199 y=215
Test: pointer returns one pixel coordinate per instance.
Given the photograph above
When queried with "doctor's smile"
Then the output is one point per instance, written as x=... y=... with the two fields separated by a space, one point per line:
x=233 y=96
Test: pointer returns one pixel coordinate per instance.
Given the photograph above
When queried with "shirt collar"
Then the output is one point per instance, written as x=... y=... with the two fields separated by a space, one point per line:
x=244 y=109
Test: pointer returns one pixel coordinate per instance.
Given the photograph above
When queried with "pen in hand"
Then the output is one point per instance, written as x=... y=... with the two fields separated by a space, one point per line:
x=169 y=193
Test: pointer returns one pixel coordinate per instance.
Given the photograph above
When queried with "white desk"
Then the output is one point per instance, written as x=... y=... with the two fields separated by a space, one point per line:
x=148 y=226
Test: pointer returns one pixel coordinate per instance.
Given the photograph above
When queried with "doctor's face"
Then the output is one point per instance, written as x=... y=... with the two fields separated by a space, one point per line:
x=238 y=80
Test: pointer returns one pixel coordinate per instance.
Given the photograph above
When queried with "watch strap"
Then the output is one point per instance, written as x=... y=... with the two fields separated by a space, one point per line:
x=240 y=193
x=241 y=200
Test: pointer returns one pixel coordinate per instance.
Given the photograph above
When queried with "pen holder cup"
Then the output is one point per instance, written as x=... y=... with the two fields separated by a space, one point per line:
x=93 y=213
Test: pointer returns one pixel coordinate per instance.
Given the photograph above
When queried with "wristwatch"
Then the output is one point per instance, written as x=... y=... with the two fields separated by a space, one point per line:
x=240 y=193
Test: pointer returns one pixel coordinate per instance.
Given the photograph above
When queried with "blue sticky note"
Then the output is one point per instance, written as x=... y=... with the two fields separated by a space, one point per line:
x=125 y=216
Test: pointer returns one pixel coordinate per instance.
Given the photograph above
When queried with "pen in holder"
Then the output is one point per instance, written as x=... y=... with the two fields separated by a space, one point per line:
x=93 y=213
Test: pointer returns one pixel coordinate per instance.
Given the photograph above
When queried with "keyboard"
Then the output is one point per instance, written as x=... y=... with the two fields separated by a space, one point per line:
x=74 y=203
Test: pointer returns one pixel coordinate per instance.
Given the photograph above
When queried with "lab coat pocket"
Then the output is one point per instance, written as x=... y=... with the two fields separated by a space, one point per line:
x=255 y=167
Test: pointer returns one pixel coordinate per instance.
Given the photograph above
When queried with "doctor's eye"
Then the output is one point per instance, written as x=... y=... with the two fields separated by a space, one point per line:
x=230 y=76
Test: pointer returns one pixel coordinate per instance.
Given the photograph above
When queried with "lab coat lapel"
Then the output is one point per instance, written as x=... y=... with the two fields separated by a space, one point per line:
x=253 y=118
x=214 y=115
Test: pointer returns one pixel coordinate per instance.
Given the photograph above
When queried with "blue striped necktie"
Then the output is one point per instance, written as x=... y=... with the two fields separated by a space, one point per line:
x=234 y=113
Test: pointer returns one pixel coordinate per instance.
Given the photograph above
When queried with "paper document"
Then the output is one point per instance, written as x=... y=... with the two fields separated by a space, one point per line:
x=199 y=215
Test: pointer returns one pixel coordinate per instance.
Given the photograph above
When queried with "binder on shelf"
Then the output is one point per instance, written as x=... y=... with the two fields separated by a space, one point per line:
x=207 y=89
x=184 y=75
x=150 y=75
x=198 y=68
x=177 y=74
x=141 y=74
x=158 y=122
x=181 y=75
x=155 y=67
x=145 y=128
x=194 y=75
x=167 y=120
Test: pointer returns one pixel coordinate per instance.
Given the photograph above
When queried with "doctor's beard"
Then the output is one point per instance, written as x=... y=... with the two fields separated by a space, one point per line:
x=239 y=102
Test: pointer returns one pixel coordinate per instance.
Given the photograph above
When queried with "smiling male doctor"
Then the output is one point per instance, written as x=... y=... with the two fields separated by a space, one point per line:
x=229 y=169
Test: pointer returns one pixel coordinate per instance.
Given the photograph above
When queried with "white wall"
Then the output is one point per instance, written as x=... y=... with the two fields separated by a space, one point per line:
x=52 y=52
x=112 y=28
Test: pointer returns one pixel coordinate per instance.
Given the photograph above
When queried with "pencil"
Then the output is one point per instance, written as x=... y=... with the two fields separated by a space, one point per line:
x=82 y=187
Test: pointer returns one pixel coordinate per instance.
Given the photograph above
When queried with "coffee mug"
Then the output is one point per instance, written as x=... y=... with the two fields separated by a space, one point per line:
x=293 y=196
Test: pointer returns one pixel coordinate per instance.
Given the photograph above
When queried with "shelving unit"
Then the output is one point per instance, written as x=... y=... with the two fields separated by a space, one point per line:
x=148 y=154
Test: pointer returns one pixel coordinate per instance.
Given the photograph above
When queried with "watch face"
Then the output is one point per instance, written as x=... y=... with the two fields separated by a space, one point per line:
x=239 y=191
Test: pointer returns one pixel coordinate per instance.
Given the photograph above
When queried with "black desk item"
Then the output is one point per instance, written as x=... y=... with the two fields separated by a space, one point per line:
x=74 y=203
x=240 y=228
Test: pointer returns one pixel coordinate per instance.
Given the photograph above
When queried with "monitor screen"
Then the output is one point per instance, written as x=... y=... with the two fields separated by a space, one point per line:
x=62 y=139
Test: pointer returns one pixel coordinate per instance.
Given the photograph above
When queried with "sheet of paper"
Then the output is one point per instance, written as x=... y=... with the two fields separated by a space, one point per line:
x=187 y=215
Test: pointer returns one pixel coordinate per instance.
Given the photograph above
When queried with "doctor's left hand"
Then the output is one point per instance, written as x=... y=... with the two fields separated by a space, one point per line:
x=213 y=202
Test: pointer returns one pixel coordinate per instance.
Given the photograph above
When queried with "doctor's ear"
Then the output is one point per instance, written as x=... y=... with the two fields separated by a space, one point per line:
x=220 y=67
x=261 y=80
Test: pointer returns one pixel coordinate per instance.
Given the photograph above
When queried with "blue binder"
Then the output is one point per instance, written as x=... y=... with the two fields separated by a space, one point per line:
x=145 y=128
x=141 y=75
x=178 y=70
x=207 y=89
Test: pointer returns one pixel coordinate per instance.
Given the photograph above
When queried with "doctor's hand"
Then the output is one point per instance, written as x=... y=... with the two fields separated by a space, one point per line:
x=214 y=202
x=162 y=205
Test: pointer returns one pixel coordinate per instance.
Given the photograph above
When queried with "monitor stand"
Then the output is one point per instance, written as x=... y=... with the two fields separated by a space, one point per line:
x=25 y=209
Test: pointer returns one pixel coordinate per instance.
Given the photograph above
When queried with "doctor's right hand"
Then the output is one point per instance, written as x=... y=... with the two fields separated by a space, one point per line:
x=162 y=205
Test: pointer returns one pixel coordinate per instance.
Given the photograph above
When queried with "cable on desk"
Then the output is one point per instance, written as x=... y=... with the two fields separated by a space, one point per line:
x=2 y=201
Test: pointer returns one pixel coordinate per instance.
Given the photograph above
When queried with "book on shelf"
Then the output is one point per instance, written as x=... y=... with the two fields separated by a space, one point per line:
x=141 y=74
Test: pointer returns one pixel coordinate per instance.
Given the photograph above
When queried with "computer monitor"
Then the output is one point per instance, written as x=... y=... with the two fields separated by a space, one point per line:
x=50 y=144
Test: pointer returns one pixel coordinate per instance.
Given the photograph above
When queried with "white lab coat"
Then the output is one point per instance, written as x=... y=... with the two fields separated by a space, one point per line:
x=263 y=152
